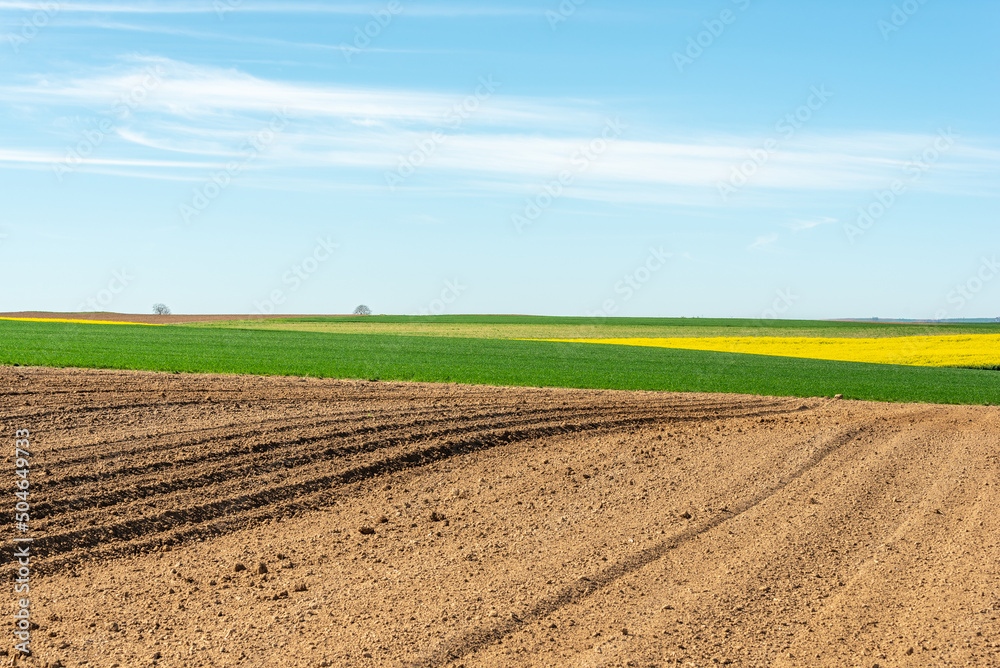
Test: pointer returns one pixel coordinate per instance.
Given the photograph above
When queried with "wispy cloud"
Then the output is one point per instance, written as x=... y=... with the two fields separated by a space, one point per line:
x=18 y=157
x=225 y=37
x=208 y=7
x=189 y=90
x=765 y=242
x=801 y=224
x=506 y=144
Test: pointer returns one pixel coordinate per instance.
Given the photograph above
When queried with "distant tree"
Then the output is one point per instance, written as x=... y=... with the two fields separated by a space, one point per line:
x=362 y=310
x=161 y=309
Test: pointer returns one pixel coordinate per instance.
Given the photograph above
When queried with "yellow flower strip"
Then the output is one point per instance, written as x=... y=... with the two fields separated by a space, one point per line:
x=969 y=350
x=86 y=322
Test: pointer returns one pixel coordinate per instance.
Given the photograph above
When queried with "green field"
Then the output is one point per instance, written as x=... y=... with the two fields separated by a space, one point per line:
x=482 y=361
x=540 y=327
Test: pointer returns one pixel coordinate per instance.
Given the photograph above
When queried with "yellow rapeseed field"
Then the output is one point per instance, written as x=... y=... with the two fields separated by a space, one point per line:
x=969 y=350
x=85 y=322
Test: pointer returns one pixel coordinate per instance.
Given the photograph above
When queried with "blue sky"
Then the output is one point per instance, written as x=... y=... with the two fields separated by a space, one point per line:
x=727 y=158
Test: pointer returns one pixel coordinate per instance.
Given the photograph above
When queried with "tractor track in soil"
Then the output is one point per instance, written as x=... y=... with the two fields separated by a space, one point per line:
x=502 y=526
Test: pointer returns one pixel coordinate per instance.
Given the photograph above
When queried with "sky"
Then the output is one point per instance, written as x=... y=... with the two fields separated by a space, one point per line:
x=723 y=158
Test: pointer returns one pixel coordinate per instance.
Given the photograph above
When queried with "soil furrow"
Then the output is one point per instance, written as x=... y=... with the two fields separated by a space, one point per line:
x=186 y=520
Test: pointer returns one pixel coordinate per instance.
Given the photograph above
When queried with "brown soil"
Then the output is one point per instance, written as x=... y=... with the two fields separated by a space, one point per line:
x=148 y=318
x=423 y=525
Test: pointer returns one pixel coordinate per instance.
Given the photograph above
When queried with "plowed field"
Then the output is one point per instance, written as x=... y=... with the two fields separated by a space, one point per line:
x=187 y=520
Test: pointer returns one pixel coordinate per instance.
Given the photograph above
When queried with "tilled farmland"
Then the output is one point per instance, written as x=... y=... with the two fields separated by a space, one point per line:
x=195 y=520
